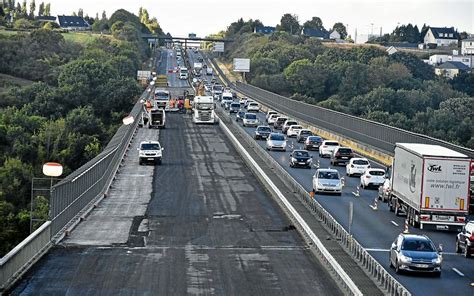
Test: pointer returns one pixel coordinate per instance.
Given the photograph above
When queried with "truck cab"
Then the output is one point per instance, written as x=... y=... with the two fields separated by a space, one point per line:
x=150 y=152
x=203 y=110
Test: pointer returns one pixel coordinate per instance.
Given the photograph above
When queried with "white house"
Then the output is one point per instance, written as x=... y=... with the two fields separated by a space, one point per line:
x=73 y=23
x=437 y=59
x=441 y=36
x=334 y=35
x=451 y=69
x=467 y=60
x=467 y=46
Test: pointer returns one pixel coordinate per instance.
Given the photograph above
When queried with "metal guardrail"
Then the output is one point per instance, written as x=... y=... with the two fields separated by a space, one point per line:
x=29 y=250
x=69 y=198
x=351 y=245
x=380 y=136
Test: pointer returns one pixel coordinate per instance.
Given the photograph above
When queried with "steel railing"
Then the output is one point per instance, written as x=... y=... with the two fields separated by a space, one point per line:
x=69 y=199
x=380 y=136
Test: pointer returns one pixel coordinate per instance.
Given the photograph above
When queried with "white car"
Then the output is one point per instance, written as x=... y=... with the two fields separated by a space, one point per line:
x=293 y=130
x=269 y=113
x=150 y=151
x=287 y=125
x=271 y=120
x=372 y=177
x=327 y=181
x=253 y=107
x=357 y=166
x=327 y=147
x=250 y=119
x=276 y=141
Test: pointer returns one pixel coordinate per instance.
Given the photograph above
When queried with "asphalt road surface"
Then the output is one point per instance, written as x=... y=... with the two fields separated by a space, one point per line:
x=376 y=230
x=208 y=229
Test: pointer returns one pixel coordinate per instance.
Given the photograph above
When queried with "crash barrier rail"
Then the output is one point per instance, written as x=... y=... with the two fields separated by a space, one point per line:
x=386 y=281
x=380 y=136
x=69 y=199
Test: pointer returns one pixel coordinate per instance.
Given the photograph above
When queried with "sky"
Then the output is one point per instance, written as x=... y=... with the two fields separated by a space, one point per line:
x=203 y=17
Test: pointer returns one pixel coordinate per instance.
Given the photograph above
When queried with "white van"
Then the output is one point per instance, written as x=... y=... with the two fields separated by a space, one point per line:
x=183 y=73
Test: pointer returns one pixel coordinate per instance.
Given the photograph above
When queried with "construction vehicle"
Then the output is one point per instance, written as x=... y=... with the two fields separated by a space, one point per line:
x=161 y=81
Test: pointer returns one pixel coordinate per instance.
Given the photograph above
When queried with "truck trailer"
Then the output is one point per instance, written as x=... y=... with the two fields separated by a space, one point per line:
x=430 y=184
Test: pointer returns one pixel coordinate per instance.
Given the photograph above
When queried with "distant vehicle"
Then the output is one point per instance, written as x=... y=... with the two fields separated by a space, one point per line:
x=287 y=125
x=279 y=122
x=209 y=71
x=250 y=119
x=276 y=141
x=300 y=158
x=430 y=184
x=341 y=155
x=149 y=151
x=197 y=69
x=183 y=73
x=243 y=102
x=234 y=107
x=269 y=113
x=253 y=107
x=465 y=240
x=384 y=191
x=271 y=120
x=226 y=100
x=162 y=98
x=303 y=134
x=327 y=147
x=416 y=253
x=262 y=132
x=217 y=91
x=293 y=130
x=156 y=118
x=240 y=115
x=372 y=177
x=357 y=166
x=200 y=59
x=327 y=181
x=312 y=143
x=213 y=80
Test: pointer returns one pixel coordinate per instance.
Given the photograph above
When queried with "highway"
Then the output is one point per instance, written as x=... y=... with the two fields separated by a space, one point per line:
x=376 y=230
x=199 y=224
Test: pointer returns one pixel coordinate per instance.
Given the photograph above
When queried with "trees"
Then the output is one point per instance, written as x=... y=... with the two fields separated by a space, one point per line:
x=47 y=9
x=289 y=23
x=41 y=9
x=315 y=23
x=31 y=15
x=341 y=29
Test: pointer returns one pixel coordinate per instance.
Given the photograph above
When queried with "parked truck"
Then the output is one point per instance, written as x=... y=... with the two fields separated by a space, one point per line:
x=203 y=110
x=430 y=184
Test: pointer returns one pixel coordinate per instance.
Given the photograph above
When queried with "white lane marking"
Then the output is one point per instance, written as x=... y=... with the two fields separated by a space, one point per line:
x=394 y=223
x=458 y=272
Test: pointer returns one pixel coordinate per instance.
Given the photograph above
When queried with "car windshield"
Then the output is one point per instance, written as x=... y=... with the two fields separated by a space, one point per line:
x=328 y=175
x=281 y=119
x=150 y=146
x=361 y=162
x=304 y=132
x=264 y=129
x=315 y=139
x=419 y=245
x=301 y=154
x=235 y=105
x=332 y=143
x=345 y=150
x=250 y=116
x=377 y=173
x=277 y=137
x=217 y=87
x=288 y=123
x=241 y=113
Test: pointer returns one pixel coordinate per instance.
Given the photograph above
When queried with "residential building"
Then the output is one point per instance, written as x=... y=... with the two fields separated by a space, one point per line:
x=467 y=46
x=451 y=69
x=441 y=36
x=73 y=23
x=438 y=59
x=334 y=35
x=467 y=60
x=264 y=29
x=45 y=18
x=319 y=34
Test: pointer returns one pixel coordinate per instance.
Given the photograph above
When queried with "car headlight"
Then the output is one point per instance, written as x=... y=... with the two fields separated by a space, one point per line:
x=405 y=259
x=284 y=144
x=437 y=260
x=293 y=159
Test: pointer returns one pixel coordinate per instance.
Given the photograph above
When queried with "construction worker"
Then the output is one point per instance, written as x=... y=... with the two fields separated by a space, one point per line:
x=148 y=105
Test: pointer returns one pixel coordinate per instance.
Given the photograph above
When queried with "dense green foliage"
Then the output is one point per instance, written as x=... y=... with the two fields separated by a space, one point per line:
x=400 y=89
x=79 y=96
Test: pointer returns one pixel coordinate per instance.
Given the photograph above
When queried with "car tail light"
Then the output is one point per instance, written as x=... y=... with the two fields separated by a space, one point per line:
x=461 y=219
x=425 y=217
x=471 y=238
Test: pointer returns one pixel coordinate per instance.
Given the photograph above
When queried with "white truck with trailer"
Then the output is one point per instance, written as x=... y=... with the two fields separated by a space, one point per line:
x=430 y=184
x=203 y=110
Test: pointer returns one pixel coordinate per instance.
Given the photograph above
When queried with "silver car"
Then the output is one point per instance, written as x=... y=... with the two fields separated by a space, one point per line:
x=417 y=253
x=327 y=181
x=250 y=119
x=276 y=141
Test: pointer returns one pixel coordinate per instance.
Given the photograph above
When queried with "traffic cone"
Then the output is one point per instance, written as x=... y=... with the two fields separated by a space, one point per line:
x=406 y=230
x=357 y=193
